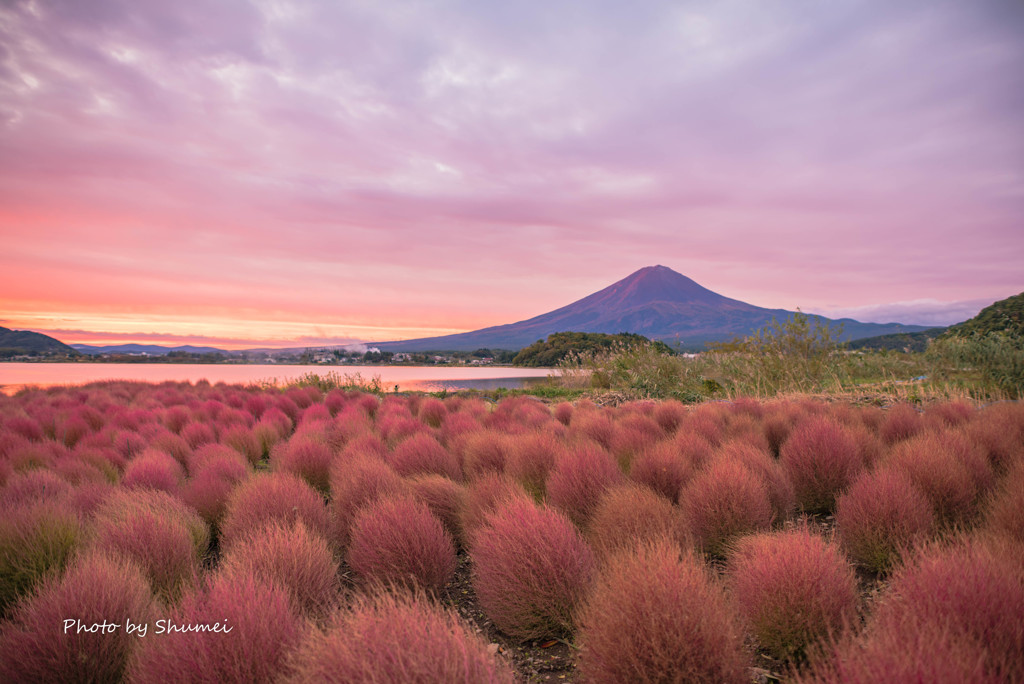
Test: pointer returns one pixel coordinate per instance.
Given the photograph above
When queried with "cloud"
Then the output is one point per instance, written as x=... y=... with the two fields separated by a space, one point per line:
x=918 y=312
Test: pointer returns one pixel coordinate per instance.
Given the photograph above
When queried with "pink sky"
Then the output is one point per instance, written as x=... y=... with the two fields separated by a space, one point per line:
x=315 y=172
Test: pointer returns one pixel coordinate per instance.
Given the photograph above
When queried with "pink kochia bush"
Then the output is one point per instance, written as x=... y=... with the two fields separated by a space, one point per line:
x=882 y=514
x=34 y=645
x=950 y=614
x=291 y=557
x=655 y=615
x=390 y=637
x=164 y=536
x=272 y=497
x=531 y=569
x=822 y=458
x=723 y=502
x=421 y=453
x=307 y=457
x=263 y=629
x=630 y=514
x=357 y=482
x=398 y=541
x=482 y=496
x=793 y=589
x=153 y=469
x=579 y=478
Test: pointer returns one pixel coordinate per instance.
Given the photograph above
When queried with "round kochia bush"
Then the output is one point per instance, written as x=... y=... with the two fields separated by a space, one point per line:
x=630 y=514
x=164 y=536
x=34 y=646
x=392 y=637
x=656 y=616
x=579 y=478
x=724 y=501
x=531 y=569
x=792 y=588
x=293 y=558
x=882 y=514
x=822 y=458
x=35 y=540
x=399 y=541
x=270 y=497
x=263 y=629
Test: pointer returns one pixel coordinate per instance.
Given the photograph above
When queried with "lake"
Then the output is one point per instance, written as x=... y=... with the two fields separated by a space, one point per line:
x=14 y=376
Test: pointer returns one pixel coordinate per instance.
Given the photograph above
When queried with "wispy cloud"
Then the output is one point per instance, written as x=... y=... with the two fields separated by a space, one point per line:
x=458 y=164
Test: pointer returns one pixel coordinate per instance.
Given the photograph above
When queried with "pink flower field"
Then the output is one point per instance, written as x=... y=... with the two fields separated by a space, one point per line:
x=196 y=532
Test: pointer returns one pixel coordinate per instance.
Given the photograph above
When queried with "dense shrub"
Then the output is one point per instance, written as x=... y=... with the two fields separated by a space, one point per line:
x=630 y=514
x=757 y=460
x=263 y=629
x=482 y=496
x=937 y=470
x=197 y=434
x=655 y=615
x=531 y=458
x=272 y=497
x=292 y=557
x=443 y=497
x=33 y=485
x=421 y=453
x=396 y=638
x=433 y=412
x=307 y=457
x=485 y=451
x=822 y=458
x=155 y=470
x=356 y=482
x=95 y=590
x=901 y=422
x=579 y=478
x=949 y=614
x=243 y=440
x=669 y=414
x=36 y=540
x=723 y=502
x=882 y=514
x=531 y=569
x=662 y=468
x=160 y=533
x=792 y=588
x=398 y=541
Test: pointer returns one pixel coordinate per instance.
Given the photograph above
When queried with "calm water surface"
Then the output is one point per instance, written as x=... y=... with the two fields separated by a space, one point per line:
x=14 y=376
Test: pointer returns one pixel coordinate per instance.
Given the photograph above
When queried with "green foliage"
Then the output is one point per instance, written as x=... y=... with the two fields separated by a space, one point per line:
x=998 y=357
x=1005 y=316
x=560 y=346
x=800 y=354
x=903 y=342
x=638 y=370
x=330 y=380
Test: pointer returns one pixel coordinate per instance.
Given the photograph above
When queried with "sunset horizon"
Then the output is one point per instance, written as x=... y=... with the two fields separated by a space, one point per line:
x=302 y=173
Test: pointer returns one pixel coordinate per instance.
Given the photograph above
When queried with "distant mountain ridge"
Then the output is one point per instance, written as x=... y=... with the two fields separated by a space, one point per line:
x=152 y=349
x=655 y=302
x=28 y=342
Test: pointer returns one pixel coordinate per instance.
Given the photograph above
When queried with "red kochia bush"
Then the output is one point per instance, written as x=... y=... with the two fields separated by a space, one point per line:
x=356 y=482
x=792 y=588
x=307 y=457
x=630 y=514
x=655 y=615
x=153 y=469
x=579 y=478
x=940 y=472
x=432 y=412
x=758 y=461
x=34 y=646
x=264 y=628
x=399 y=541
x=531 y=569
x=243 y=440
x=443 y=497
x=396 y=638
x=902 y=421
x=166 y=538
x=292 y=557
x=421 y=453
x=822 y=458
x=485 y=451
x=724 y=501
x=270 y=497
x=482 y=496
x=882 y=514
x=949 y=615
x=663 y=468
x=197 y=434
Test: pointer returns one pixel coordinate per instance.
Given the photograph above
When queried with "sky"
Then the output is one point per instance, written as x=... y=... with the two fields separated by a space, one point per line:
x=315 y=172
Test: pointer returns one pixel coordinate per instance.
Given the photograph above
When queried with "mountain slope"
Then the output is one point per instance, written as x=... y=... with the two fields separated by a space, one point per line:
x=655 y=302
x=1006 y=316
x=28 y=342
x=151 y=349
